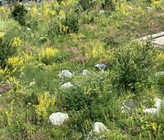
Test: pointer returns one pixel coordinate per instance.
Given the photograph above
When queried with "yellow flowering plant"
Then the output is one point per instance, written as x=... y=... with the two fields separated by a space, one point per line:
x=46 y=101
x=47 y=55
x=123 y=8
x=15 y=62
x=2 y=34
x=95 y=50
x=16 y=41
x=157 y=4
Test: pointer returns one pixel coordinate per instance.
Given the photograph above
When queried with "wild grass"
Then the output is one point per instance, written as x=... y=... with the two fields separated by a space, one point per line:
x=76 y=35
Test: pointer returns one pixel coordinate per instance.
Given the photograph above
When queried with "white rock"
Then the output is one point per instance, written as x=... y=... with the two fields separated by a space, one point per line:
x=151 y=110
x=66 y=85
x=130 y=104
x=99 y=127
x=65 y=74
x=158 y=102
x=101 y=66
x=32 y=83
x=22 y=75
x=28 y=29
x=58 y=118
x=101 y=12
x=148 y=8
x=85 y=72
x=159 y=73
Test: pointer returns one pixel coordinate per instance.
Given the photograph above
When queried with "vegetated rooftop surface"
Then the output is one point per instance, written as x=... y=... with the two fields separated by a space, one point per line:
x=79 y=59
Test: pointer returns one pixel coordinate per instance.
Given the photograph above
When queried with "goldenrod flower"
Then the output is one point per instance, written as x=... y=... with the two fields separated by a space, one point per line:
x=16 y=41
x=45 y=101
x=47 y=55
x=49 y=52
x=15 y=61
x=2 y=34
x=2 y=71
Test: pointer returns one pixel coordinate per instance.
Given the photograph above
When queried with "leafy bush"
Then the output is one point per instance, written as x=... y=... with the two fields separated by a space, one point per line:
x=19 y=14
x=71 y=22
x=91 y=101
x=134 y=66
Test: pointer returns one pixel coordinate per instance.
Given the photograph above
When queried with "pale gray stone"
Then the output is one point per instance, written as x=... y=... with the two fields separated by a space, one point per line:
x=99 y=127
x=85 y=72
x=67 y=85
x=159 y=73
x=65 y=74
x=151 y=110
x=58 y=118
x=100 y=66
x=158 y=102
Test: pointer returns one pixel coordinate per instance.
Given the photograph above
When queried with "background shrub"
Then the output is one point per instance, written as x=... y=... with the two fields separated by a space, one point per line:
x=19 y=14
x=134 y=66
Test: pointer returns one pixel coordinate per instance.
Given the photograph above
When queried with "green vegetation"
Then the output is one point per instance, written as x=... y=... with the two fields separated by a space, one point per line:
x=38 y=41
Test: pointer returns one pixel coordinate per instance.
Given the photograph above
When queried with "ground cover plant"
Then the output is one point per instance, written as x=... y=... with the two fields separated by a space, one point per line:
x=41 y=42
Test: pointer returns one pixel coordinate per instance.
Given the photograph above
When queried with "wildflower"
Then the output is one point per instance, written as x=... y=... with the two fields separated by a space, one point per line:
x=16 y=41
x=2 y=71
x=47 y=55
x=45 y=101
x=49 y=52
x=62 y=15
x=2 y=34
x=15 y=61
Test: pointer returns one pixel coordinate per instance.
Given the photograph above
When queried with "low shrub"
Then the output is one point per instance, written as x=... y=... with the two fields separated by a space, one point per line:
x=89 y=102
x=134 y=66
x=19 y=14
